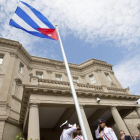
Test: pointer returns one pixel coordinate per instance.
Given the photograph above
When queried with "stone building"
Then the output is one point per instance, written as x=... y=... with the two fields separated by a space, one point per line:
x=35 y=96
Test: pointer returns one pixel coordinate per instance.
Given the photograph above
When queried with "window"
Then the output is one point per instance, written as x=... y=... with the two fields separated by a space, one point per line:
x=75 y=79
x=59 y=77
x=21 y=68
x=92 y=79
x=1 y=59
x=39 y=74
x=108 y=77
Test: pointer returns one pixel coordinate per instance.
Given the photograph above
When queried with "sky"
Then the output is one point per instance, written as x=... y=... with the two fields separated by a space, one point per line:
x=107 y=30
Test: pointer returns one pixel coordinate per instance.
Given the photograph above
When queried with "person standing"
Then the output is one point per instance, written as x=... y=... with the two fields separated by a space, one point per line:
x=107 y=133
x=123 y=136
x=134 y=137
x=79 y=134
x=139 y=136
x=68 y=130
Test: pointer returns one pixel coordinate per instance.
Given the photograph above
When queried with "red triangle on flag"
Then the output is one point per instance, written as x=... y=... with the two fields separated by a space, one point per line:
x=49 y=32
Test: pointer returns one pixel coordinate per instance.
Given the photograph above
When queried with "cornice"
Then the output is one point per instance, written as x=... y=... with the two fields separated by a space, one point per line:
x=9 y=42
x=31 y=89
x=58 y=64
x=92 y=91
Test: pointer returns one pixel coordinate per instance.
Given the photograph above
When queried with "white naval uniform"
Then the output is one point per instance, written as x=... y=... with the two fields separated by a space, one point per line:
x=67 y=133
x=108 y=134
x=79 y=137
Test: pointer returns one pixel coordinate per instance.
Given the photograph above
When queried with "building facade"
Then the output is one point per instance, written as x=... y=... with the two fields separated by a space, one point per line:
x=35 y=96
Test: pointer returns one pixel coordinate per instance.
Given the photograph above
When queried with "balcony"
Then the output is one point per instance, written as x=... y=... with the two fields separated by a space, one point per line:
x=63 y=85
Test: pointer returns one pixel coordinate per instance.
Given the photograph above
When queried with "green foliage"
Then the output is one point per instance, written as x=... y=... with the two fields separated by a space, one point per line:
x=19 y=137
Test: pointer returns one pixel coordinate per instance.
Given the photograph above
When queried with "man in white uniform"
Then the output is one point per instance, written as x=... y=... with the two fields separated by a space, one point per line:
x=107 y=133
x=68 y=130
x=79 y=134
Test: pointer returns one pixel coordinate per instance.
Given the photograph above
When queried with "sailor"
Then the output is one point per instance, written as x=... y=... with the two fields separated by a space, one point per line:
x=79 y=134
x=107 y=133
x=68 y=130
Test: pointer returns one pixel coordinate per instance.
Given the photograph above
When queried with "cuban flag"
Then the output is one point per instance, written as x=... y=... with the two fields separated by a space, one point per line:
x=32 y=21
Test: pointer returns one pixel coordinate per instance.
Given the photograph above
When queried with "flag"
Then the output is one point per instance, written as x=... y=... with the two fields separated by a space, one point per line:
x=32 y=21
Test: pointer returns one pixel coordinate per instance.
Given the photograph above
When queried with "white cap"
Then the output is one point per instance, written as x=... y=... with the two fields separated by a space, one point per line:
x=65 y=123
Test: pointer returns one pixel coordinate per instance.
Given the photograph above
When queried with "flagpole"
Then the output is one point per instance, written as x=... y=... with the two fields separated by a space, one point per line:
x=73 y=89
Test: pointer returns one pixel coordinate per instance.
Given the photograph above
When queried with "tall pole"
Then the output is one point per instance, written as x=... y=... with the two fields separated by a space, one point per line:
x=79 y=114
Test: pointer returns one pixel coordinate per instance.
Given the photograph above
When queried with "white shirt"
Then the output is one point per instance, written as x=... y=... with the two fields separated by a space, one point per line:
x=107 y=132
x=79 y=137
x=67 y=133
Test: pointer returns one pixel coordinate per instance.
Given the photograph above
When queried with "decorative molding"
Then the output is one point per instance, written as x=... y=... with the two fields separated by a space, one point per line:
x=112 y=84
x=83 y=93
x=16 y=98
x=9 y=42
x=14 y=54
x=83 y=76
x=2 y=75
x=18 y=80
x=112 y=72
x=58 y=67
x=49 y=71
x=33 y=105
x=66 y=73
x=127 y=88
x=98 y=70
x=29 y=68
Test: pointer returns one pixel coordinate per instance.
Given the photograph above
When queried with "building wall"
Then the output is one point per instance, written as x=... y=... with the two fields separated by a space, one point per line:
x=12 y=81
x=10 y=131
x=132 y=121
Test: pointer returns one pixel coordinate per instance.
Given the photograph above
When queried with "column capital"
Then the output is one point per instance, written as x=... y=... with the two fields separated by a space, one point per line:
x=113 y=107
x=138 y=108
x=31 y=105
x=81 y=106
x=14 y=54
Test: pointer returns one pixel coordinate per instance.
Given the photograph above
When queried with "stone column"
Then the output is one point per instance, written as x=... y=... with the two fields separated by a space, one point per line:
x=86 y=123
x=8 y=68
x=119 y=121
x=2 y=123
x=33 y=125
x=138 y=111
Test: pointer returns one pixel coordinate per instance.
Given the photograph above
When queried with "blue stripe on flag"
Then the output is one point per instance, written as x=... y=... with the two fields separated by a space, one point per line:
x=13 y=23
x=40 y=16
x=26 y=18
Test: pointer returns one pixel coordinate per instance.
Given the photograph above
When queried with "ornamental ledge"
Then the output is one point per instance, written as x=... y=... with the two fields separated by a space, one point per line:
x=66 y=93
x=24 y=52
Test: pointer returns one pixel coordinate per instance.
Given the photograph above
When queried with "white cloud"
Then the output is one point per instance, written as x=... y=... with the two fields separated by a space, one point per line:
x=128 y=73
x=97 y=19
x=91 y=20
